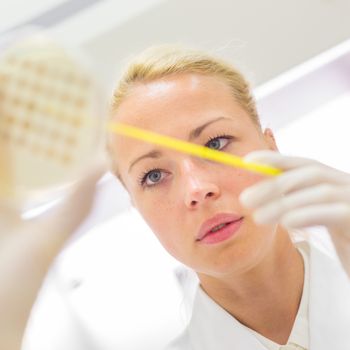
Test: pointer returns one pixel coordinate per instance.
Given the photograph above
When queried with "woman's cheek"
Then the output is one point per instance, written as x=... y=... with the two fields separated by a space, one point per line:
x=247 y=178
x=240 y=179
x=154 y=210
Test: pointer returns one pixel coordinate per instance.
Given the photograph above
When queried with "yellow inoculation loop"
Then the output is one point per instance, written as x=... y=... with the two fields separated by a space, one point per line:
x=190 y=148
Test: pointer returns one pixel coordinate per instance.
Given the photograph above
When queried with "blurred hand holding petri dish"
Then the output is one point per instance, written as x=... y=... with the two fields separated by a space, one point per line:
x=51 y=119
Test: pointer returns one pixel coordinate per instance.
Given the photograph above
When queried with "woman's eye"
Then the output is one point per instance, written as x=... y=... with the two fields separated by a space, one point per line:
x=152 y=177
x=218 y=143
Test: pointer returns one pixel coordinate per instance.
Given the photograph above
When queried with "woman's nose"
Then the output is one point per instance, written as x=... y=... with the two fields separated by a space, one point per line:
x=198 y=189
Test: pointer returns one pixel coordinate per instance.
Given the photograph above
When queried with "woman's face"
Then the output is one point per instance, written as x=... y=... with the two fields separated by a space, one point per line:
x=182 y=197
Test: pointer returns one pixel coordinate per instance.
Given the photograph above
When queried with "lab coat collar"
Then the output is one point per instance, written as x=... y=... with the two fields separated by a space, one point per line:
x=211 y=327
x=329 y=313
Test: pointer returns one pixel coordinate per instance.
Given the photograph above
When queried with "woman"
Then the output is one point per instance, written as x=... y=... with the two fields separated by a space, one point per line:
x=258 y=289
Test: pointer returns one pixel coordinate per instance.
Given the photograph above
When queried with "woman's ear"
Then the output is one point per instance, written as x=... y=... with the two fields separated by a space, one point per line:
x=270 y=139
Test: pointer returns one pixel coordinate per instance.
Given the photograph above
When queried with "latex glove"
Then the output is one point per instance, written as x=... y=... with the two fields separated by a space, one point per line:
x=307 y=193
x=26 y=251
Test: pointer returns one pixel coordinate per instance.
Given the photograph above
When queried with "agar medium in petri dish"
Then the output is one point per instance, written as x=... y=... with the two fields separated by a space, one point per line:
x=51 y=120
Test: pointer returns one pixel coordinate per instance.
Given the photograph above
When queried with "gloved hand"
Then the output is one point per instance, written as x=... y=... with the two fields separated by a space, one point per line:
x=307 y=193
x=28 y=248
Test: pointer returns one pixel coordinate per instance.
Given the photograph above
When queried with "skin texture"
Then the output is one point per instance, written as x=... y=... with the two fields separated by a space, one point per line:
x=257 y=274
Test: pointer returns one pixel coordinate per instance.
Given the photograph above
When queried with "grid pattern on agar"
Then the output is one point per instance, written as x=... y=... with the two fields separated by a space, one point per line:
x=43 y=104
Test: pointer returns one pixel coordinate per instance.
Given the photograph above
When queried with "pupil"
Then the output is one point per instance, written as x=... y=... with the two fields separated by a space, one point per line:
x=154 y=176
x=215 y=144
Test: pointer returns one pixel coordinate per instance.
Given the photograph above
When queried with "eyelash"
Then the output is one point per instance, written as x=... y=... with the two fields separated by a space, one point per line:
x=143 y=177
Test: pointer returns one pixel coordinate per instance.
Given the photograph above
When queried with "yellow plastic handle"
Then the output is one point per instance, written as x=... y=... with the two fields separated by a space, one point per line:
x=190 y=148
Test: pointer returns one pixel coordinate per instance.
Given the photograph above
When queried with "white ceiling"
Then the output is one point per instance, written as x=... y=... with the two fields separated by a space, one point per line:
x=15 y=12
x=264 y=38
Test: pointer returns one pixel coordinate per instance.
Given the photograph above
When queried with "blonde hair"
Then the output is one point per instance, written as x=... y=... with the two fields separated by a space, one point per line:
x=161 y=61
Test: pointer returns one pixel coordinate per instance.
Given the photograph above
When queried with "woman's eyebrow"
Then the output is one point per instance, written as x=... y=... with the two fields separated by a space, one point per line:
x=197 y=131
x=193 y=134
x=151 y=154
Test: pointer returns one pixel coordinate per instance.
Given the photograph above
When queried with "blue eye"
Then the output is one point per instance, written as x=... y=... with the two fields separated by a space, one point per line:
x=218 y=143
x=152 y=177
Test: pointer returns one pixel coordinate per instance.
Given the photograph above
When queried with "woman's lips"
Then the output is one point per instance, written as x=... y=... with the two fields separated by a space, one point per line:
x=219 y=228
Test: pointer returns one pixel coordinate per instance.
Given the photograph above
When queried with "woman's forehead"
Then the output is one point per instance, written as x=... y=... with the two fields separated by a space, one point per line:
x=174 y=98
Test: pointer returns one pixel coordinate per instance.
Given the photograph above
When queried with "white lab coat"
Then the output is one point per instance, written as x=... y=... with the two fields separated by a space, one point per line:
x=212 y=328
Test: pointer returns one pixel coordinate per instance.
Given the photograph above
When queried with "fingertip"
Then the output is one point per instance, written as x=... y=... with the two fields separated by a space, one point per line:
x=247 y=198
x=259 y=219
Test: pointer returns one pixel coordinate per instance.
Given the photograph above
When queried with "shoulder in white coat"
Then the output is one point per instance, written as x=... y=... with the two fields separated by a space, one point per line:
x=212 y=328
